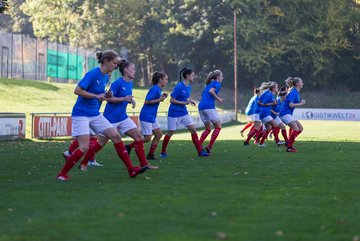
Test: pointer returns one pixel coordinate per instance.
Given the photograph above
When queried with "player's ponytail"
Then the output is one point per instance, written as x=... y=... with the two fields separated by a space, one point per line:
x=157 y=76
x=107 y=56
x=212 y=75
x=289 y=82
x=122 y=65
x=184 y=72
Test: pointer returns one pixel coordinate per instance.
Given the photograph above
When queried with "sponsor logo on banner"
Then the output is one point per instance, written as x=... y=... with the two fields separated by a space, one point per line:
x=12 y=128
x=51 y=126
x=328 y=114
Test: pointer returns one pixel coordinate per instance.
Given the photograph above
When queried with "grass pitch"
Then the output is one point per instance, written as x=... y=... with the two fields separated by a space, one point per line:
x=239 y=193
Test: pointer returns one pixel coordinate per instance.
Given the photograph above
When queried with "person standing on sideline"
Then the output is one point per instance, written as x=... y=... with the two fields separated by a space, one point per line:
x=178 y=113
x=207 y=109
x=292 y=101
x=148 y=121
x=86 y=115
x=250 y=110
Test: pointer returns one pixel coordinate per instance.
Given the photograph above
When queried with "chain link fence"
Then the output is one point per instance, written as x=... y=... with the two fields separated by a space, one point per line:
x=24 y=57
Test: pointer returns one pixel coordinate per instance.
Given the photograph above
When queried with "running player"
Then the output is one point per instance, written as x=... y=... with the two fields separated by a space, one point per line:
x=250 y=110
x=178 y=114
x=148 y=121
x=275 y=115
x=267 y=101
x=292 y=101
x=207 y=109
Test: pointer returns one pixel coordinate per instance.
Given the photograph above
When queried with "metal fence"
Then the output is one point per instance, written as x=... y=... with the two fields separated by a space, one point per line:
x=24 y=57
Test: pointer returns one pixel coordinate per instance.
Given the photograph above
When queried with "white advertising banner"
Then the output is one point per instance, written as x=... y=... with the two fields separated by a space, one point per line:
x=225 y=117
x=327 y=114
x=12 y=126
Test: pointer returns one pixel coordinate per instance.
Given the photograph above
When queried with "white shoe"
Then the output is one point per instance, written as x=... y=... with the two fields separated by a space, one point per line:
x=261 y=145
x=280 y=143
x=83 y=168
x=66 y=154
x=94 y=163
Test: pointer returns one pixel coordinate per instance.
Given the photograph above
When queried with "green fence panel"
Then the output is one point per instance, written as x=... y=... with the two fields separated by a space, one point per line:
x=64 y=65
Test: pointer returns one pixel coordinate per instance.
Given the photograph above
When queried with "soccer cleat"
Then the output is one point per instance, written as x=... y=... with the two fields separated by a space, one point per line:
x=137 y=170
x=281 y=143
x=246 y=143
x=242 y=133
x=208 y=150
x=151 y=167
x=203 y=153
x=128 y=149
x=66 y=154
x=291 y=149
x=94 y=163
x=262 y=145
x=63 y=177
x=163 y=155
x=83 y=168
x=151 y=157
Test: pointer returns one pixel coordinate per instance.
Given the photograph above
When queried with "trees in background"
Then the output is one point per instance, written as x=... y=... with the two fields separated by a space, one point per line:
x=317 y=40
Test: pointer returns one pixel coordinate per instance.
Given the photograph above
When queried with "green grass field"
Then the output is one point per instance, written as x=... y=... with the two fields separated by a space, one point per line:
x=238 y=193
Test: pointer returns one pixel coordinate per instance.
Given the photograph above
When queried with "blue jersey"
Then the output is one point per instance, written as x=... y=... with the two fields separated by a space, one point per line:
x=277 y=107
x=250 y=109
x=94 y=82
x=181 y=92
x=207 y=99
x=294 y=97
x=116 y=112
x=265 y=98
x=257 y=107
x=148 y=112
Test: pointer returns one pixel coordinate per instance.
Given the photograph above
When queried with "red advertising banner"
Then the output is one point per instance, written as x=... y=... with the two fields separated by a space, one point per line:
x=51 y=126
x=47 y=126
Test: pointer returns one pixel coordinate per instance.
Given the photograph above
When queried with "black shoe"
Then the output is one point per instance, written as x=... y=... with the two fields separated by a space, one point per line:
x=151 y=157
x=128 y=149
x=208 y=150
x=137 y=170
x=246 y=143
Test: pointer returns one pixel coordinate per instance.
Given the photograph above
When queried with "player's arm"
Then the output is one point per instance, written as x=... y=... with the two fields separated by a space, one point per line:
x=161 y=99
x=177 y=102
x=274 y=112
x=83 y=93
x=113 y=99
x=212 y=92
x=293 y=105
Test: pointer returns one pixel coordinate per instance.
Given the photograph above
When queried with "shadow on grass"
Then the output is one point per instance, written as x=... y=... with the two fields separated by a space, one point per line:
x=28 y=83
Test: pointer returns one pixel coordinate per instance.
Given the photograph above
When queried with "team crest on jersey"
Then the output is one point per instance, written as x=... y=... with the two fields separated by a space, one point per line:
x=123 y=88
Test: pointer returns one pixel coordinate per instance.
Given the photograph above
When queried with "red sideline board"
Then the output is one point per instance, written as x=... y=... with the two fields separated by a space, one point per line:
x=46 y=126
x=51 y=126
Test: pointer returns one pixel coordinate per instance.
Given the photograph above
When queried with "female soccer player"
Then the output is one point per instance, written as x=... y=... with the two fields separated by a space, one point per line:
x=266 y=101
x=207 y=109
x=115 y=112
x=275 y=115
x=249 y=111
x=292 y=101
x=148 y=120
x=257 y=128
x=178 y=113
x=86 y=115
